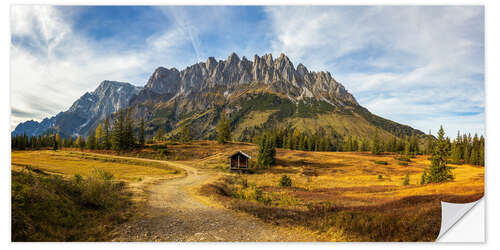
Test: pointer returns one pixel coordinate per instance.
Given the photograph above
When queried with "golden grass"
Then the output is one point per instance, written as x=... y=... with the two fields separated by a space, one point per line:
x=349 y=182
x=343 y=124
x=252 y=119
x=354 y=176
x=339 y=195
x=69 y=163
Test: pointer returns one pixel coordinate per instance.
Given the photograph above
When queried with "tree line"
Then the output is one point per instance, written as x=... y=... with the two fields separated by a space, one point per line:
x=125 y=134
x=118 y=137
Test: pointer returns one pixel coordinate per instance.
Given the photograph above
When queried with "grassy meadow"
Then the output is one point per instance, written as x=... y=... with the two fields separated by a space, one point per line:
x=68 y=163
x=341 y=196
x=77 y=196
x=355 y=193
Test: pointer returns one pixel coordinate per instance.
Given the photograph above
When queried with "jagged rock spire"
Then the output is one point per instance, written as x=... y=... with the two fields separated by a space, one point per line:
x=280 y=74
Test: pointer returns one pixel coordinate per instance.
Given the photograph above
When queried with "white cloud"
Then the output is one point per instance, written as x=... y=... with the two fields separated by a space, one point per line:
x=412 y=54
x=414 y=65
x=53 y=65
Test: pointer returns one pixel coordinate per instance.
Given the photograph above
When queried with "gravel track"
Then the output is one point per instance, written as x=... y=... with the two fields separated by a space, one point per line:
x=175 y=215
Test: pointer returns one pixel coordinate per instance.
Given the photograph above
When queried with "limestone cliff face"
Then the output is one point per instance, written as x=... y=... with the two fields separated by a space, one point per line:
x=278 y=74
x=272 y=89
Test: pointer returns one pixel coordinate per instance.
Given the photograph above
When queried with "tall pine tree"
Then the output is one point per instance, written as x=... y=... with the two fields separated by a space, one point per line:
x=267 y=151
x=376 y=144
x=142 y=139
x=107 y=135
x=439 y=171
x=118 y=131
x=223 y=130
x=99 y=138
x=185 y=133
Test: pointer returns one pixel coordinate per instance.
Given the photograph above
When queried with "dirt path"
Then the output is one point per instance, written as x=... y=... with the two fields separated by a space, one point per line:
x=175 y=215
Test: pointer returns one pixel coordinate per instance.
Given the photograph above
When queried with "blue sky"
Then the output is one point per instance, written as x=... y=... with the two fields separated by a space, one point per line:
x=421 y=66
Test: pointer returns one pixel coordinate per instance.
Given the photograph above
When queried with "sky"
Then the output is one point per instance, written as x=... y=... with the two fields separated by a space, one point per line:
x=417 y=65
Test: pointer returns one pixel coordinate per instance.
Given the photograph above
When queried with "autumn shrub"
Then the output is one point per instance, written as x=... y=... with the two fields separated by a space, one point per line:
x=285 y=181
x=381 y=162
x=51 y=208
x=406 y=181
x=405 y=158
x=99 y=191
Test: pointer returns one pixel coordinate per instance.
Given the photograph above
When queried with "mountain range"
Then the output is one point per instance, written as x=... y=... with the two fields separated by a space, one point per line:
x=256 y=95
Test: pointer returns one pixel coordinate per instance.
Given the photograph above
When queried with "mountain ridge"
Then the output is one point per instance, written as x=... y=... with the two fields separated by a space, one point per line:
x=278 y=72
x=107 y=98
x=272 y=89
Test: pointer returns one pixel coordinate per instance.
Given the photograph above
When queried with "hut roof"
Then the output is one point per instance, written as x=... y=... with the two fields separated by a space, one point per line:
x=240 y=152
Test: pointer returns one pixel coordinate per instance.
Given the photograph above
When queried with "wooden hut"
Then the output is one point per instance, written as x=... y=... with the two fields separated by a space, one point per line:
x=239 y=161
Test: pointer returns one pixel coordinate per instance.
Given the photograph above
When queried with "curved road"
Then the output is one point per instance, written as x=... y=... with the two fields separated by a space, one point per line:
x=175 y=215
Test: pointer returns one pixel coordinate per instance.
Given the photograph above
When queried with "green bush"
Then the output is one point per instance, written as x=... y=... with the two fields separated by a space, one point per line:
x=78 y=178
x=381 y=162
x=285 y=181
x=162 y=152
x=406 y=181
x=403 y=158
x=380 y=177
x=403 y=163
x=250 y=193
x=50 y=208
x=99 y=191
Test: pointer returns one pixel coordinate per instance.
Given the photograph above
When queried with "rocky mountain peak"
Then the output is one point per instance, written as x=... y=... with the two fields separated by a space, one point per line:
x=233 y=59
x=301 y=69
x=279 y=74
x=211 y=63
x=268 y=58
x=86 y=112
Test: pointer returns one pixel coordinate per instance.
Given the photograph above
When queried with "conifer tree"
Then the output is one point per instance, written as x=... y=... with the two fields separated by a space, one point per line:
x=376 y=145
x=289 y=142
x=80 y=142
x=223 y=130
x=267 y=151
x=481 y=151
x=348 y=144
x=70 y=142
x=58 y=140
x=406 y=181
x=296 y=139
x=474 y=156
x=413 y=145
x=107 y=134
x=302 y=143
x=310 y=144
x=185 y=134
x=99 y=137
x=407 y=151
x=128 y=133
x=455 y=153
x=394 y=145
x=439 y=171
x=56 y=144
x=142 y=139
x=91 y=141
x=423 y=179
x=355 y=145
x=428 y=144
x=33 y=142
x=117 y=133
x=159 y=134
